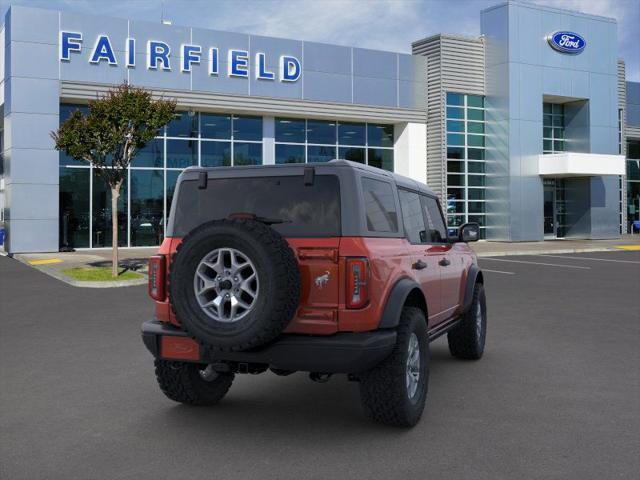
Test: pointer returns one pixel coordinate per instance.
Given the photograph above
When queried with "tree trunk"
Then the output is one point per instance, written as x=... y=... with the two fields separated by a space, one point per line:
x=115 y=193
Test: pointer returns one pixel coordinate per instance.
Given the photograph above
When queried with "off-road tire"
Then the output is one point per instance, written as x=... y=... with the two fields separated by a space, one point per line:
x=383 y=389
x=182 y=382
x=278 y=273
x=464 y=339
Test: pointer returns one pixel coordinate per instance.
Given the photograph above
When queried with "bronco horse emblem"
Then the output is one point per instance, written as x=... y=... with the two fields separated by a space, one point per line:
x=322 y=280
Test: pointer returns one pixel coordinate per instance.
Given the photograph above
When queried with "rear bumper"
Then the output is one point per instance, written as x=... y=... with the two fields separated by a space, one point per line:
x=338 y=353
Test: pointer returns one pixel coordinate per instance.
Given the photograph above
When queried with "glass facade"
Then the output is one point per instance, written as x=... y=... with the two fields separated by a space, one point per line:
x=633 y=182
x=465 y=130
x=306 y=140
x=192 y=138
x=552 y=128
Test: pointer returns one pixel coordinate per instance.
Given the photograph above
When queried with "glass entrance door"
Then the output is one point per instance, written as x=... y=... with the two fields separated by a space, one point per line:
x=554 y=208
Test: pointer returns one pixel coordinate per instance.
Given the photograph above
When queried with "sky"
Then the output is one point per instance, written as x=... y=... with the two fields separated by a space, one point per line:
x=378 y=24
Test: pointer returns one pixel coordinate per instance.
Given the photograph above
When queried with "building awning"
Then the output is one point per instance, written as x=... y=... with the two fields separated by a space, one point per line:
x=573 y=164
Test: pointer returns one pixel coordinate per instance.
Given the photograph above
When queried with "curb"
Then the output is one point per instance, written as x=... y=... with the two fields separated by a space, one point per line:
x=547 y=252
x=80 y=284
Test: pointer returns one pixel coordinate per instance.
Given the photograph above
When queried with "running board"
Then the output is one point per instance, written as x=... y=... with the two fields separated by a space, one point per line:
x=442 y=328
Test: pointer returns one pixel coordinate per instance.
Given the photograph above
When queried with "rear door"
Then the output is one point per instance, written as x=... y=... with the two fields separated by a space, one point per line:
x=451 y=265
x=425 y=257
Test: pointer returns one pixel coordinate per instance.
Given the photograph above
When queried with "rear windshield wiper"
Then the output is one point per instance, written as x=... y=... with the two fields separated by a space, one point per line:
x=251 y=216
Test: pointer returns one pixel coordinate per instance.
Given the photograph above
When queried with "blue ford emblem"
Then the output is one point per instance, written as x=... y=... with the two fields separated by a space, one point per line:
x=567 y=42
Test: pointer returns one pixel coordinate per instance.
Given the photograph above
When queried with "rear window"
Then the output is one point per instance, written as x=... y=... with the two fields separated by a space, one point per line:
x=305 y=211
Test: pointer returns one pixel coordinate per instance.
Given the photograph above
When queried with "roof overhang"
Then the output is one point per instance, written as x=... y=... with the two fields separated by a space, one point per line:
x=573 y=164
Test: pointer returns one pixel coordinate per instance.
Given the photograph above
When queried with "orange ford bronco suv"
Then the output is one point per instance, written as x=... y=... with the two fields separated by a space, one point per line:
x=323 y=268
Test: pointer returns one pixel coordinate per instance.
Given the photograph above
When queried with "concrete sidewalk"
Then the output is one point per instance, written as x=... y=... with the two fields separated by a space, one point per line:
x=498 y=249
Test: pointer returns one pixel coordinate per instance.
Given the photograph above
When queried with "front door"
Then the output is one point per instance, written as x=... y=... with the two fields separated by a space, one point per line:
x=554 y=208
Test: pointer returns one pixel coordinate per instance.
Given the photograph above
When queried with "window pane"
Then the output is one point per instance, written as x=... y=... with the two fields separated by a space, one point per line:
x=380 y=158
x=480 y=219
x=172 y=177
x=475 y=101
x=633 y=149
x=455 y=98
x=454 y=112
x=183 y=125
x=558 y=145
x=546 y=108
x=351 y=133
x=289 y=153
x=319 y=153
x=557 y=108
x=102 y=213
x=558 y=133
x=67 y=160
x=151 y=155
x=437 y=230
x=247 y=128
x=547 y=120
x=633 y=169
x=215 y=126
x=476 y=167
x=558 y=121
x=351 y=153
x=379 y=135
x=320 y=131
x=455 y=152
x=290 y=130
x=455 y=167
x=247 y=153
x=475 y=153
x=476 y=181
x=66 y=109
x=412 y=216
x=547 y=132
x=547 y=145
x=182 y=153
x=455 y=180
x=455 y=220
x=455 y=139
x=475 y=140
x=476 y=193
x=74 y=207
x=455 y=193
x=476 y=207
x=477 y=115
x=380 y=206
x=147 y=204
x=475 y=127
x=215 y=154
x=455 y=126
x=454 y=207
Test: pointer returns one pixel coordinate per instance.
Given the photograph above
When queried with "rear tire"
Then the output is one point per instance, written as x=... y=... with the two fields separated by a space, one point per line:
x=387 y=394
x=466 y=340
x=184 y=383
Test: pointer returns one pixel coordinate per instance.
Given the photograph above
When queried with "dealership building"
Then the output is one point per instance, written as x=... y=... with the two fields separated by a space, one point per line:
x=530 y=129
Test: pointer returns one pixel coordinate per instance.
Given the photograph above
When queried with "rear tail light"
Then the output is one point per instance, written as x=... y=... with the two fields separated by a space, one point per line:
x=357 y=282
x=157 y=269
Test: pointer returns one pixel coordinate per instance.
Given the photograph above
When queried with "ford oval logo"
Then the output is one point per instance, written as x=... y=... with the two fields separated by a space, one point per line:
x=567 y=42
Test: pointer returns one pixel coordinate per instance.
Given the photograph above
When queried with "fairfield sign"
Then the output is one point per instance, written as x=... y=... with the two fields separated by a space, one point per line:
x=159 y=56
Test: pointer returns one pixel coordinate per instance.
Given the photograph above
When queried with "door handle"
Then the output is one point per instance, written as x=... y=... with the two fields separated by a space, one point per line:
x=419 y=265
x=444 y=262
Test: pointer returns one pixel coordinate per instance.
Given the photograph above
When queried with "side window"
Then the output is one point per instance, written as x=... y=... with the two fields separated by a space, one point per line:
x=437 y=230
x=412 y=216
x=380 y=206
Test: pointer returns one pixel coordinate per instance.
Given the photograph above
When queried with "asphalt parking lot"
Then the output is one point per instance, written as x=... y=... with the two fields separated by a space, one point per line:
x=557 y=394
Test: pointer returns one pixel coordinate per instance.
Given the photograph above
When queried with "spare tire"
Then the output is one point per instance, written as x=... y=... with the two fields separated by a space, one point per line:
x=234 y=284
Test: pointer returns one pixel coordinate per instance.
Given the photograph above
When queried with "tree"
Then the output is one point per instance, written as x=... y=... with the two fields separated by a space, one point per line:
x=117 y=126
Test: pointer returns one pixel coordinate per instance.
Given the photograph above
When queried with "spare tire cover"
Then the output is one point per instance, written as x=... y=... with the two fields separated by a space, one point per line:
x=234 y=284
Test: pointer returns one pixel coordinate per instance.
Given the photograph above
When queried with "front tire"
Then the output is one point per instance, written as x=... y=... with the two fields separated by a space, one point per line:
x=191 y=383
x=394 y=392
x=466 y=340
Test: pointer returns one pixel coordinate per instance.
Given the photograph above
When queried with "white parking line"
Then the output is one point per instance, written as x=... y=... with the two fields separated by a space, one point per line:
x=497 y=271
x=591 y=258
x=535 y=263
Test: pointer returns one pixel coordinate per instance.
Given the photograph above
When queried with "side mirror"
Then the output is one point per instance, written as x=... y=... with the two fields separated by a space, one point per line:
x=469 y=232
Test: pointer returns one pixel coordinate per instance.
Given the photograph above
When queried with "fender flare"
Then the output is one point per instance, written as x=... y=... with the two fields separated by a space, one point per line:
x=474 y=275
x=395 y=302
